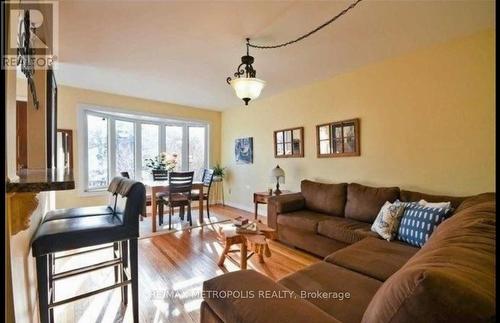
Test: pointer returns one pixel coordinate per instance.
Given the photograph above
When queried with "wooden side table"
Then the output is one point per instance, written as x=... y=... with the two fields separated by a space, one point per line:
x=263 y=197
x=218 y=191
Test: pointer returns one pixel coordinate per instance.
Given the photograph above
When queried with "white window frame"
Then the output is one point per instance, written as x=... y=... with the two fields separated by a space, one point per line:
x=137 y=118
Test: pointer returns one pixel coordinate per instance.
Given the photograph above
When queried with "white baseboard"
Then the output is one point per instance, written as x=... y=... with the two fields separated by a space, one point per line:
x=248 y=208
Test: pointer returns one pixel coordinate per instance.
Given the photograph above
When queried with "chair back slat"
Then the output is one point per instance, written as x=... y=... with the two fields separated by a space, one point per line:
x=207 y=179
x=180 y=182
x=208 y=176
x=160 y=174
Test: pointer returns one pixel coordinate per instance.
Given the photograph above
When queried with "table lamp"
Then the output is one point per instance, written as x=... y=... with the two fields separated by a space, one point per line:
x=278 y=174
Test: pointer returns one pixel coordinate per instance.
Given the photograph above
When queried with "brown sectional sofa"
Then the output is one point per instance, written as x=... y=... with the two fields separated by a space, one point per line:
x=451 y=278
x=324 y=218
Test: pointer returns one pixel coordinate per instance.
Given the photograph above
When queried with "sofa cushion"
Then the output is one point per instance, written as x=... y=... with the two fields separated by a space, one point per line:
x=311 y=242
x=241 y=296
x=344 y=230
x=373 y=257
x=387 y=221
x=411 y=196
x=474 y=200
x=325 y=277
x=287 y=202
x=304 y=220
x=364 y=202
x=418 y=223
x=451 y=279
x=325 y=198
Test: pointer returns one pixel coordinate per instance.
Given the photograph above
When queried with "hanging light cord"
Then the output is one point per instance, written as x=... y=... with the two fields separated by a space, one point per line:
x=343 y=12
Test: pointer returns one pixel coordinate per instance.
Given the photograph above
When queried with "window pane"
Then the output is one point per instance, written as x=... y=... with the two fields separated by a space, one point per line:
x=324 y=147
x=288 y=136
x=173 y=144
x=149 y=146
x=97 y=154
x=279 y=149
x=349 y=145
x=297 y=137
x=349 y=131
x=197 y=150
x=324 y=132
x=125 y=147
x=338 y=132
x=279 y=137
x=337 y=146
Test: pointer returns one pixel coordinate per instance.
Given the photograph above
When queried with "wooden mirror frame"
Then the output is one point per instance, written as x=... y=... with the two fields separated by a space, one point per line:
x=331 y=139
x=301 y=145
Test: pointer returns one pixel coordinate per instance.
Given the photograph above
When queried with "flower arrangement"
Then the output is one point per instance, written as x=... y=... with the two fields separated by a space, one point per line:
x=163 y=161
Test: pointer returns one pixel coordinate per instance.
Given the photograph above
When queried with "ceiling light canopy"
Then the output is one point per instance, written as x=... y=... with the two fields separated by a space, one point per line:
x=245 y=84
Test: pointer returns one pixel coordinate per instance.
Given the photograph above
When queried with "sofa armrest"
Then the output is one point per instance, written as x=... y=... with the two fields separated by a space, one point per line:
x=283 y=204
x=247 y=296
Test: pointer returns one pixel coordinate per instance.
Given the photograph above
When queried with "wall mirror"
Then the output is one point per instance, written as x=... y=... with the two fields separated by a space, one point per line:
x=65 y=148
x=289 y=142
x=338 y=139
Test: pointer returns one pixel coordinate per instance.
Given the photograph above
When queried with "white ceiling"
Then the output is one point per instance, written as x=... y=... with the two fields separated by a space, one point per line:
x=181 y=52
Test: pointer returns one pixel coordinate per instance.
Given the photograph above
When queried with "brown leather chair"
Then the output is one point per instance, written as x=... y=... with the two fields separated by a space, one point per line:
x=80 y=228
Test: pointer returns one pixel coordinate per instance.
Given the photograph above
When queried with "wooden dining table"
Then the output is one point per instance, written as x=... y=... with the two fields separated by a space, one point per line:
x=162 y=186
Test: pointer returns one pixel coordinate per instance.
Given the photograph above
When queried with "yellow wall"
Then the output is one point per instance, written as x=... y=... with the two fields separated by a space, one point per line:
x=70 y=97
x=427 y=123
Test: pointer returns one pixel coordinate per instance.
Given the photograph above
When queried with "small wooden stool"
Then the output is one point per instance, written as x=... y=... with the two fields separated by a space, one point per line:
x=256 y=242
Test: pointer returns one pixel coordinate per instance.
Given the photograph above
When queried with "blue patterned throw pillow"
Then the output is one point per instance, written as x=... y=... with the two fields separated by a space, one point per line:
x=418 y=222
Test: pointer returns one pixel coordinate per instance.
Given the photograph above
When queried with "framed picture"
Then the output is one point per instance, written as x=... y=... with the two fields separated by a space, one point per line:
x=289 y=142
x=338 y=139
x=243 y=150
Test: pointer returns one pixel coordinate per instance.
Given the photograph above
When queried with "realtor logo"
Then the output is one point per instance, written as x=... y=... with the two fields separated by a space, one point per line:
x=32 y=36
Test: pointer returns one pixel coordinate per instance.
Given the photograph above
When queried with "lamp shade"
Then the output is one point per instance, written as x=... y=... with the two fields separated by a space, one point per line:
x=278 y=173
x=248 y=88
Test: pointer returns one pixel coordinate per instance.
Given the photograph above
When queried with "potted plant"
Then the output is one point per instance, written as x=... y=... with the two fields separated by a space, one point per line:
x=163 y=161
x=219 y=173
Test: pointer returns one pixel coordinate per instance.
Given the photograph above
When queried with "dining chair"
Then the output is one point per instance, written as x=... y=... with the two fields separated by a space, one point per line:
x=160 y=175
x=180 y=185
x=207 y=178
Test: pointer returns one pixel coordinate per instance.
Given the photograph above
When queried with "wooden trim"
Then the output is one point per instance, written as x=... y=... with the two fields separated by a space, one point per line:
x=275 y=140
x=51 y=122
x=69 y=132
x=357 y=145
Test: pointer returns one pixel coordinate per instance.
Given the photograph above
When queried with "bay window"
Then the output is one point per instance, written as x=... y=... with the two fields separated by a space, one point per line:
x=116 y=142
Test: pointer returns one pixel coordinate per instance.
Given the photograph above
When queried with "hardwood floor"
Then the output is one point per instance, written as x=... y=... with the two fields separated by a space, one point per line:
x=172 y=268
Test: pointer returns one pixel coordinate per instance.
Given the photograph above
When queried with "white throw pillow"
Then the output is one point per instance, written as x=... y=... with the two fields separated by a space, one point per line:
x=387 y=221
x=440 y=205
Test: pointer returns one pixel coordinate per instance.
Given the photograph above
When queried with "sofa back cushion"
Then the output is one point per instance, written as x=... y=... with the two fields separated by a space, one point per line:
x=324 y=198
x=451 y=279
x=364 y=202
x=411 y=196
x=418 y=222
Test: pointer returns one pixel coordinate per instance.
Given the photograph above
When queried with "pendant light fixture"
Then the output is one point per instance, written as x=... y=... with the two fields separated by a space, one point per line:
x=245 y=84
